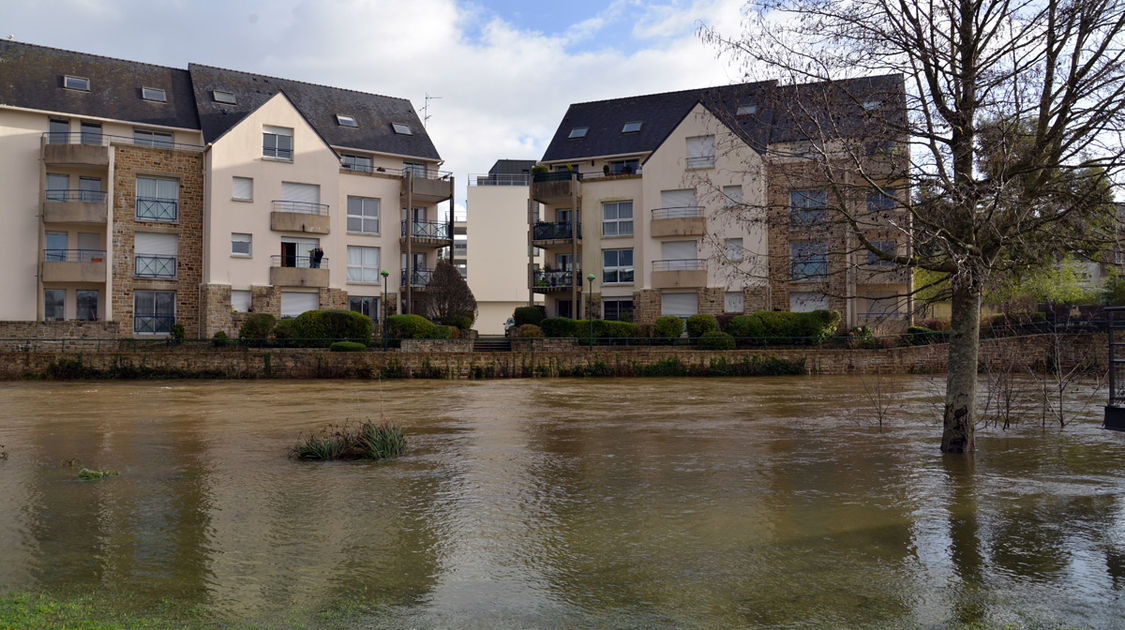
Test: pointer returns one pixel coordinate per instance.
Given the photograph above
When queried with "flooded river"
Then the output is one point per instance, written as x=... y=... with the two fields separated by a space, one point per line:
x=677 y=503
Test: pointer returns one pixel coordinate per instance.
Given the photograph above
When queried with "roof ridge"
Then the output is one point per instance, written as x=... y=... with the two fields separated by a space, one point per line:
x=698 y=90
x=95 y=55
x=320 y=85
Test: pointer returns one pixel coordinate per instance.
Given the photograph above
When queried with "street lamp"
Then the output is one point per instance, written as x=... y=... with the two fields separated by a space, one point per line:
x=590 y=308
x=385 y=275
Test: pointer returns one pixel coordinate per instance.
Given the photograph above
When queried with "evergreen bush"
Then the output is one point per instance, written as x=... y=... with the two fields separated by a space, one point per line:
x=257 y=326
x=700 y=323
x=527 y=315
x=715 y=340
x=558 y=327
x=668 y=326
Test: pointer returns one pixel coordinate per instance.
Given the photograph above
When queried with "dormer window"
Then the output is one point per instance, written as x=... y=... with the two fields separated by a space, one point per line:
x=224 y=97
x=870 y=105
x=154 y=94
x=746 y=110
x=76 y=83
x=631 y=127
x=402 y=129
x=345 y=120
x=578 y=132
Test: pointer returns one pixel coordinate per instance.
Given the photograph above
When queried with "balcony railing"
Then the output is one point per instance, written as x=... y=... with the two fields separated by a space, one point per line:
x=555 y=176
x=701 y=161
x=544 y=231
x=88 y=196
x=154 y=209
x=74 y=255
x=551 y=278
x=418 y=277
x=679 y=264
x=678 y=212
x=154 y=266
x=302 y=207
x=153 y=323
x=427 y=229
x=302 y=262
x=499 y=179
x=94 y=138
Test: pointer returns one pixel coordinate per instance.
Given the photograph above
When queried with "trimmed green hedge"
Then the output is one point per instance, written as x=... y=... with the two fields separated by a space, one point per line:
x=332 y=324
x=668 y=326
x=812 y=327
x=347 y=346
x=558 y=327
x=715 y=340
x=529 y=331
x=701 y=323
x=416 y=327
x=257 y=326
x=527 y=315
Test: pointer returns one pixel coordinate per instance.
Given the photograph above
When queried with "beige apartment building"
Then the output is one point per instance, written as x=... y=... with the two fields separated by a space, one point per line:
x=140 y=196
x=717 y=201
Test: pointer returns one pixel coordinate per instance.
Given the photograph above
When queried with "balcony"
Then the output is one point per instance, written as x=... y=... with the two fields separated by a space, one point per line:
x=74 y=206
x=679 y=273
x=299 y=216
x=74 y=265
x=418 y=277
x=429 y=186
x=157 y=209
x=544 y=233
x=678 y=221
x=548 y=281
x=154 y=266
x=557 y=187
x=298 y=271
x=88 y=149
x=435 y=233
x=153 y=324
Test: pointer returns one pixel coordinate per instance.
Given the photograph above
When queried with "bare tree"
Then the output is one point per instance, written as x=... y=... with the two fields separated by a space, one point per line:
x=1014 y=118
x=448 y=299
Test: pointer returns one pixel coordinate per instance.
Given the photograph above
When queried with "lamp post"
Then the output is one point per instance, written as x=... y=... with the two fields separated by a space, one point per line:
x=385 y=275
x=590 y=307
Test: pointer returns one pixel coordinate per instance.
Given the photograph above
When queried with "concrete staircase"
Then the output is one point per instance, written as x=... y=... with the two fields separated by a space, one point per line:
x=492 y=344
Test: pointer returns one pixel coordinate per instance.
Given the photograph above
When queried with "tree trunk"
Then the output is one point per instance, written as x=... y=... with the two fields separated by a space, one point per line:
x=960 y=424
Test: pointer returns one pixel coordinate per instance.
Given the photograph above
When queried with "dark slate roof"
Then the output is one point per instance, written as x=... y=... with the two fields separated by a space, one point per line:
x=319 y=104
x=511 y=167
x=32 y=77
x=775 y=119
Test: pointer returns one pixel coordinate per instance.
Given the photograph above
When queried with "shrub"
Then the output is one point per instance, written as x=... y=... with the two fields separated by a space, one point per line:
x=700 y=323
x=920 y=336
x=861 y=337
x=438 y=331
x=527 y=315
x=668 y=326
x=936 y=324
x=715 y=340
x=178 y=333
x=464 y=322
x=528 y=331
x=332 y=324
x=558 y=327
x=257 y=326
x=347 y=346
x=619 y=330
x=746 y=326
x=285 y=332
x=220 y=340
x=366 y=441
x=409 y=327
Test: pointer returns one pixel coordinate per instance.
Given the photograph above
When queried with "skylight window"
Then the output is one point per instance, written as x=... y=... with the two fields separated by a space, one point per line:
x=154 y=94
x=746 y=110
x=578 y=132
x=870 y=105
x=631 y=127
x=401 y=129
x=345 y=120
x=224 y=97
x=76 y=83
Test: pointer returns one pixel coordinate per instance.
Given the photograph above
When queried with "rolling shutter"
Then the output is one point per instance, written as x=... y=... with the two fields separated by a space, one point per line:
x=680 y=304
x=156 y=244
x=293 y=303
x=308 y=193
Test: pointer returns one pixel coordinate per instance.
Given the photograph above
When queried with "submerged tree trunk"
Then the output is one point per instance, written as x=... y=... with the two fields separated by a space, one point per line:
x=959 y=431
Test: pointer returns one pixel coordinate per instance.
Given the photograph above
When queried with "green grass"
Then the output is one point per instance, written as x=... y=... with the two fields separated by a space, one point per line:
x=367 y=440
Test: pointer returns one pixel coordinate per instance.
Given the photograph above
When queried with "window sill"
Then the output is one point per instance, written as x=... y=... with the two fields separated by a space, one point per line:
x=616 y=237
x=364 y=233
x=277 y=159
x=247 y=256
x=242 y=200
x=366 y=284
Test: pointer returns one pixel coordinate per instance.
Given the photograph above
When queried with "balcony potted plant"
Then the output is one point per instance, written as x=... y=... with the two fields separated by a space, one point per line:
x=605 y=170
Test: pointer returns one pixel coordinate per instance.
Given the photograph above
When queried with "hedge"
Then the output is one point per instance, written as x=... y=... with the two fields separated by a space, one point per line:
x=332 y=324
x=347 y=346
x=558 y=327
x=701 y=323
x=257 y=326
x=813 y=327
x=416 y=327
x=715 y=340
x=527 y=315
x=668 y=326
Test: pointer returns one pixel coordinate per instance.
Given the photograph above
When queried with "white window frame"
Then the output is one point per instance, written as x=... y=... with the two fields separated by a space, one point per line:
x=234 y=188
x=621 y=225
x=734 y=302
x=241 y=300
x=733 y=250
x=700 y=152
x=346 y=120
x=732 y=196
x=272 y=148
x=364 y=218
x=72 y=82
x=242 y=237
x=160 y=182
x=621 y=273
x=358 y=272
x=157 y=95
x=372 y=300
x=137 y=294
x=402 y=129
x=149 y=138
x=223 y=96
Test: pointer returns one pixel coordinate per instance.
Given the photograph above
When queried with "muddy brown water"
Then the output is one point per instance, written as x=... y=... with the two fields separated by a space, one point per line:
x=714 y=503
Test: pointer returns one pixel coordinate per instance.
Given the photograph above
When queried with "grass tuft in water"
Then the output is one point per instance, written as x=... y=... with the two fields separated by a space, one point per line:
x=87 y=474
x=367 y=440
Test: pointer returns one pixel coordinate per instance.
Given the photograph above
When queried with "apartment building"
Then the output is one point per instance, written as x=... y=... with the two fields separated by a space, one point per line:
x=139 y=196
x=724 y=200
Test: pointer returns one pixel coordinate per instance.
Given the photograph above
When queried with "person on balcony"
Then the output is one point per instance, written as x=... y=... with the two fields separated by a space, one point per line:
x=315 y=256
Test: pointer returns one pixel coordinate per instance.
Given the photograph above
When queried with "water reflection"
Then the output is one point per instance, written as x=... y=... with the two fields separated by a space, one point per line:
x=643 y=503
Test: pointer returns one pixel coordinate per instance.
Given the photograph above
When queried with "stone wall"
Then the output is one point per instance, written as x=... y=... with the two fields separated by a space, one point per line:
x=437 y=345
x=14 y=334
x=544 y=344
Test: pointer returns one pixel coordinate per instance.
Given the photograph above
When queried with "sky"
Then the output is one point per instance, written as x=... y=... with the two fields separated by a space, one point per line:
x=502 y=71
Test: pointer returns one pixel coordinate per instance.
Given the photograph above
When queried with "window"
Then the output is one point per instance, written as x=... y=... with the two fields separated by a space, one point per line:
x=277 y=142
x=870 y=105
x=221 y=96
x=732 y=196
x=76 y=83
x=578 y=132
x=154 y=94
x=54 y=247
x=617 y=266
x=345 y=120
x=57 y=187
x=242 y=189
x=808 y=259
x=617 y=309
x=91 y=133
x=886 y=246
x=419 y=170
x=700 y=152
x=617 y=218
x=356 y=163
x=631 y=127
x=734 y=302
x=734 y=249
x=157 y=199
x=146 y=138
x=90 y=190
x=807 y=207
x=363 y=264
x=241 y=244
x=363 y=215
x=628 y=167
x=86 y=305
x=54 y=305
x=155 y=255
x=402 y=129
x=240 y=300
x=154 y=311
x=364 y=304
x=746 y=110
x=879 y=200
x=58 y=131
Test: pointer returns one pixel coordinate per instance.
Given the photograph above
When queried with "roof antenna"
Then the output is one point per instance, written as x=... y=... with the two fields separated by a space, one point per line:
x=426 y=108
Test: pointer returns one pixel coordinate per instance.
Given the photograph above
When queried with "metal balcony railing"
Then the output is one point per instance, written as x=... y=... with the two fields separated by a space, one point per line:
x=68 y=194
x=427 y=229
x=153 y=323
x=155 y=209
x=679 y=264
x=154 y=266
x=418 y=277
x=74 y=255
x=678 y=212
x=544 y=231
x=700 y=161
x=103 y=139
x=555 y=176
x=552 y=278
x=302 y=262
x=499 y=179
x=302 y=207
